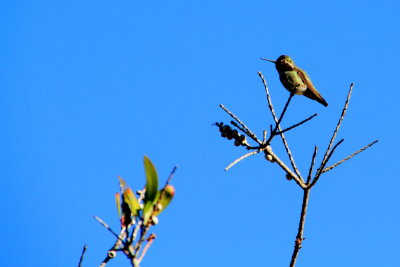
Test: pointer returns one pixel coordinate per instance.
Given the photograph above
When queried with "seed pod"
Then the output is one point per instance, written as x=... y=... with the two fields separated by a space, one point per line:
x=230 y=135
x=235 y=134
x=226 y=128
x=269 y=157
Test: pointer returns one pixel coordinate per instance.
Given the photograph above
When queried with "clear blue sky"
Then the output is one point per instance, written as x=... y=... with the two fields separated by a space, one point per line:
x=89 y=87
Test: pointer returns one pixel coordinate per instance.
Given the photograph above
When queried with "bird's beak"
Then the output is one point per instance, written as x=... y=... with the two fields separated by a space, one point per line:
x=273 y=61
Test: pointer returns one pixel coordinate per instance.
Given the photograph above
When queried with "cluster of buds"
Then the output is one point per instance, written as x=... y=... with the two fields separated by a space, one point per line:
x=229 y=133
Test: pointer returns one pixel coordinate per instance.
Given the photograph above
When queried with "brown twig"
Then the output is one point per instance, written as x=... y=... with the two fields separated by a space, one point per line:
x=297 y=124
x=82 y=255
x=300 y=230
x=348 y=157
x=312 y=165
x=323 y=164
x=283 y=112
x=346 y=104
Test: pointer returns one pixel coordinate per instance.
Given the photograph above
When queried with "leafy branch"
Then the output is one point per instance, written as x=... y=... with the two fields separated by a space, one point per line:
x=137 y=215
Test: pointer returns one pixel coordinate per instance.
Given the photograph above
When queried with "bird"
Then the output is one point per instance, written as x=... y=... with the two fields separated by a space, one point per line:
x=296 y=80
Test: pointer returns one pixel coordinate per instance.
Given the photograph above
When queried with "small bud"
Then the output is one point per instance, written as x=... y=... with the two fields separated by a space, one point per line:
x=151 y=237
x=241 y=138
x=288 y=177
x=269 y=157
x=237 y=143
x=112 y=254
x=154 y=220
x=170 y=190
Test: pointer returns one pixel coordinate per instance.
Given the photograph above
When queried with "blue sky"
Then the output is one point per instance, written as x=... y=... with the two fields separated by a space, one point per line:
x=89 y=87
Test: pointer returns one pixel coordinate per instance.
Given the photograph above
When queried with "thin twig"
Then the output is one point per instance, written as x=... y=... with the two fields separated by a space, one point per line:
x=312 y=165
x=250 y=133
x=106 y=226
x=323 y=164
x=150 y=241
x=300 y=231
x=348 y=157
x=271 y=108
x=241 y=158
x=339 y=123
x=283 y=112
x=82 y=255
x=239 y=127
x=297 y=179
x=114 y=248
x=141 y=240
x=171 y=175
x=136 y=230
x=297 y=124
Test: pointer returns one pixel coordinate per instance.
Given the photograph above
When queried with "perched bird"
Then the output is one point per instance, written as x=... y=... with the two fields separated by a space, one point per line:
x=296 y=80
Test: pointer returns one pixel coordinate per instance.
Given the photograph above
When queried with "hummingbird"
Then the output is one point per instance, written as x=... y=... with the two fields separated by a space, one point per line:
x=296 y=80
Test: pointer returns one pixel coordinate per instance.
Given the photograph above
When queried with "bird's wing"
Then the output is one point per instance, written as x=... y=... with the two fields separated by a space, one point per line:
x=311 y=92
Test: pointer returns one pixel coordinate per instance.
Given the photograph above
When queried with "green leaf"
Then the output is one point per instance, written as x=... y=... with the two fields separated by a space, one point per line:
x=166 y=198
x=131 y=200
x=122 y=184
x=118 y=203
x=151 y=189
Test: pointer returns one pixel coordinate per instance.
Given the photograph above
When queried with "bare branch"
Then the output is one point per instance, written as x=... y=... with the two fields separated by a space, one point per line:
x=264 y=136
x=297 y=124
x=171 y=175
x=339 y=123
x=249 y=133
x=242 y=158
x=112 y=251
x=241 y=129
x=283 y=112
x=300 y=231
x=312 y=165
x=82 y=255
x=323 y=164
x=106 y=226
x=297 y=179
x=348 y=157
x=149 y=242
x=271 y=107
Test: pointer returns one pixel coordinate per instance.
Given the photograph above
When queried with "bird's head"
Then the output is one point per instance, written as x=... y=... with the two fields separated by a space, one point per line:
x=283 y=63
